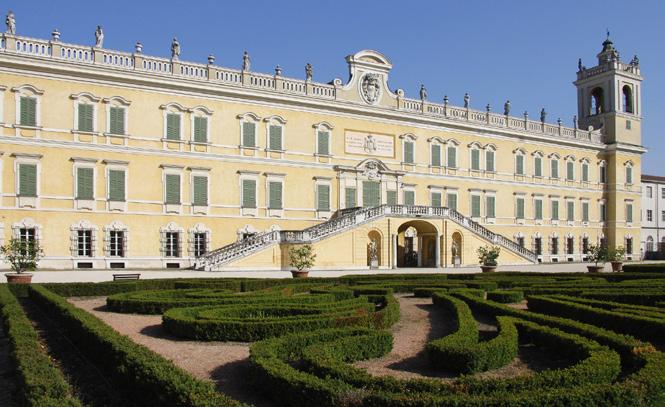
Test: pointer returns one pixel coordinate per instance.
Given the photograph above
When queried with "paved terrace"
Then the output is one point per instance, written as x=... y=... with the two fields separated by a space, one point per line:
x=67 y=276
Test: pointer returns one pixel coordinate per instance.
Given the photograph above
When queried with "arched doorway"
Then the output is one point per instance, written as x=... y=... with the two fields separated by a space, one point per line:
x=374 y=247
x=456 y=249
x=416 y=244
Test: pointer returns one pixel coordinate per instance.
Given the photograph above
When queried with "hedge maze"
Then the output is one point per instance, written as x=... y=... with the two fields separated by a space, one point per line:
x=305 y=337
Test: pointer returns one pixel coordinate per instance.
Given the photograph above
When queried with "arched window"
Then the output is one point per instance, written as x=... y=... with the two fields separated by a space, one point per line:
x=627 y=92
x=597 y=101
x=649 y=244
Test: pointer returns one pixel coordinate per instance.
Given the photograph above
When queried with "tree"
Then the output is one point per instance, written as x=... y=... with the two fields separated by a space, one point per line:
x=22 y=255
x=487 y=255
x=302 y=257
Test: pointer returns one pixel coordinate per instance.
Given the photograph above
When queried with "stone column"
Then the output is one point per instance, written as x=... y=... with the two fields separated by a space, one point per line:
x=437 y=251
x=394 y=252
x=420 y=251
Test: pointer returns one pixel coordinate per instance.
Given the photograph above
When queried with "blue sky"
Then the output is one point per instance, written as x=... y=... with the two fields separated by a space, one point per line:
x=525 y=51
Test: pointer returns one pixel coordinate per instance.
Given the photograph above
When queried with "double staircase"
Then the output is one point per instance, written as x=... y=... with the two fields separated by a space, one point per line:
x=347 y=220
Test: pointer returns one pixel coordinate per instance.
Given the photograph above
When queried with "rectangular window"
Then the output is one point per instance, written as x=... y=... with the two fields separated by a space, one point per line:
x=436 y=155
x=570 y=245
x=350 y=198
x=85 y=119
x=200 y=190
x=117 y=243
x=649 y=215
x=538 y=203
x=519 y=208
x=628 y=124
x=391 y=197
x=555 y=245
x=649 y=192
x=27 y=181
x=200 y=129
x=323 y=197
x=538 y=246
x=452 y=157
x=570 y=211
x=555 y=210
x=28 y=114
x=538 y=167
x=451 y=201
x=603 y=174
x=200 y=244
x=662 y=193
x=408 y=152
x=585 y=245
x=371 y=194
x=585 y=211
x=117 y=120
x=475 y=206
x=489 y=161
x=275 y=138
x=475 y=160
x=629 y=213
x=520 y=241
x=436 y=199
x=570 y=171
x=172 y=189
x=85 y=183
x=275 y=195
x=629 y=245
x=554 y=173
x=172 y=126
x=116 y=185
x=490 y=206
x=323 y=139
x=84 y=243
x=603 y=212
x=585 y=172
x=409 y=198
x=248 y=134
x=172 y=244
x=629 y=175
x=519 y=164
x=248 y=193
x=28 y=236
x=662 y=216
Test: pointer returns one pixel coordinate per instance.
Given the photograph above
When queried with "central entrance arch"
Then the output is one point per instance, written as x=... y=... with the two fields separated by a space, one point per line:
x=416 y=244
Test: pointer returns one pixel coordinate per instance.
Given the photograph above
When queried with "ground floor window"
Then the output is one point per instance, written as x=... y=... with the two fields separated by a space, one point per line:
x=629 y=245
x=555 y=245
x=538 y=246
x=27 y=236
x=200 y=244
x=172 y=244
x=520 y=241
x=84 y=243
x=570 y=245
x=117 y=243
x=585 y=245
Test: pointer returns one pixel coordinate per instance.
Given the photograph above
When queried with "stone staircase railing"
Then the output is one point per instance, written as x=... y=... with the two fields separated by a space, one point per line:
x=217 y=258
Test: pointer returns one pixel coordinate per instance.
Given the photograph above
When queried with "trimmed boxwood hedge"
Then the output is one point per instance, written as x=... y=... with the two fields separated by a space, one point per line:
x=506 y=296
x=39 y=382
x=644 y=268
x=135 y=370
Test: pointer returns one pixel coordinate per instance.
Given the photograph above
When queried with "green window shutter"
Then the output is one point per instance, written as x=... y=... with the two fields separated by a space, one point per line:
x=391 y=197
x=116 y=185
x=570 y=171
x=350 y=197
x=585 y=172
x=539 y=209
x=84 y=183
x=371 y=193
x=570 y=215
x=85 y=118
x=172 y=126
x=475 y=160
x=409 y=198
x=436 y=155
x=275 y=137
x=23 y=119
x=520 y=208
x=436 y=199
x=519 y=167
x=489 y=161
x=323 y=142
x=275 y=195
x=490 y=207
x=248 y=134
x=249 y=193
x=555 y=210
x=172 y=189
x=408 y=152
x=585 y=211
x=629 y=175
x=475 y=206
x=452 y=201
x=323 y=197
x=200 y=186
x=538 y=167
x=117 y=120
x=629 y=213
x=27 y=179
x=452 y=157
x=28 y=114
x=200 y=129
x=555 y=169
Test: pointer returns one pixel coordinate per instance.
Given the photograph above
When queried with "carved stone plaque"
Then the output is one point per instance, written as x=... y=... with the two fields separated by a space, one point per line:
x=372 y=144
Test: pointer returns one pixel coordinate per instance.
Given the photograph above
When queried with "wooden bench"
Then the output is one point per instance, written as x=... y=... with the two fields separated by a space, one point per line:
x=122 y=277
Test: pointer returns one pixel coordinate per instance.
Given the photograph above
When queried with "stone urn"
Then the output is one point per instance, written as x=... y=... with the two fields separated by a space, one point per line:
x=595 y=269
x=617 y=266
x=488 y=269
x=19 y=278
x=299 y=273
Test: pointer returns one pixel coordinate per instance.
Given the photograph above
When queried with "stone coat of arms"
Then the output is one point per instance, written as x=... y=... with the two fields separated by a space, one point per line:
x=370 y=87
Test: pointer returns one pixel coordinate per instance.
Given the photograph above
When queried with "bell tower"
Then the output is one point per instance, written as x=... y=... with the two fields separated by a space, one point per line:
x=608 y=96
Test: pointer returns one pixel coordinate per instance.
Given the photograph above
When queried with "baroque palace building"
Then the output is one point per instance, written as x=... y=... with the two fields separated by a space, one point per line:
x=112 y=159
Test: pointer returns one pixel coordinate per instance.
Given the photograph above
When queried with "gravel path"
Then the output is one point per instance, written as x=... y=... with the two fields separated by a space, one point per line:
x=225 y=363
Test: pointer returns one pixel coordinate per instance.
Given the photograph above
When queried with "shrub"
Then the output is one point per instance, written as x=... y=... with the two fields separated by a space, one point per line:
x=506 y=296
x=487 y=255
x=302 y=257
x=644 y=268
x=22 y=255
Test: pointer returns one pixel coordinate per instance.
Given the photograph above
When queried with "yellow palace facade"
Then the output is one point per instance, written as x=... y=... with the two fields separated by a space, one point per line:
x=113 y=159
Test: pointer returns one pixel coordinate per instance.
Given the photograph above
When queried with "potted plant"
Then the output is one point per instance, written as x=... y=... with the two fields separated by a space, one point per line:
x=616 y=257
x=597 y=254
x=302 y=259
x=22 y=256
x=487 y=256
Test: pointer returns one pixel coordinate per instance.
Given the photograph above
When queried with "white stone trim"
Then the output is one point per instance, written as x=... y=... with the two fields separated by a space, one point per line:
x=84 y=204
x=116 y=226
x=172 y=170
x=272 y=177
x=198 y=228
x=248 y=175
x=83 y=225
x=33 y=159
x=118 y=166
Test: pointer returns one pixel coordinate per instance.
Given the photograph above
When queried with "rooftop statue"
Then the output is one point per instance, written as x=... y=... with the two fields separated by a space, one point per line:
x=246 y=62
x=506 y=108
x=423 y=92
x=467 y=99
x=175 y=48
x=11 y=23
x=308 y=72
x=99 y=37
x=543 y=115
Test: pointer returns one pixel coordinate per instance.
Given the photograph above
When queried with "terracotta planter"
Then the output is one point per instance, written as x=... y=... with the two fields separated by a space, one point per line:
x=595 y=269
x=16 y=278
x=488 y=269
x=299 y=273
x=617 y=266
